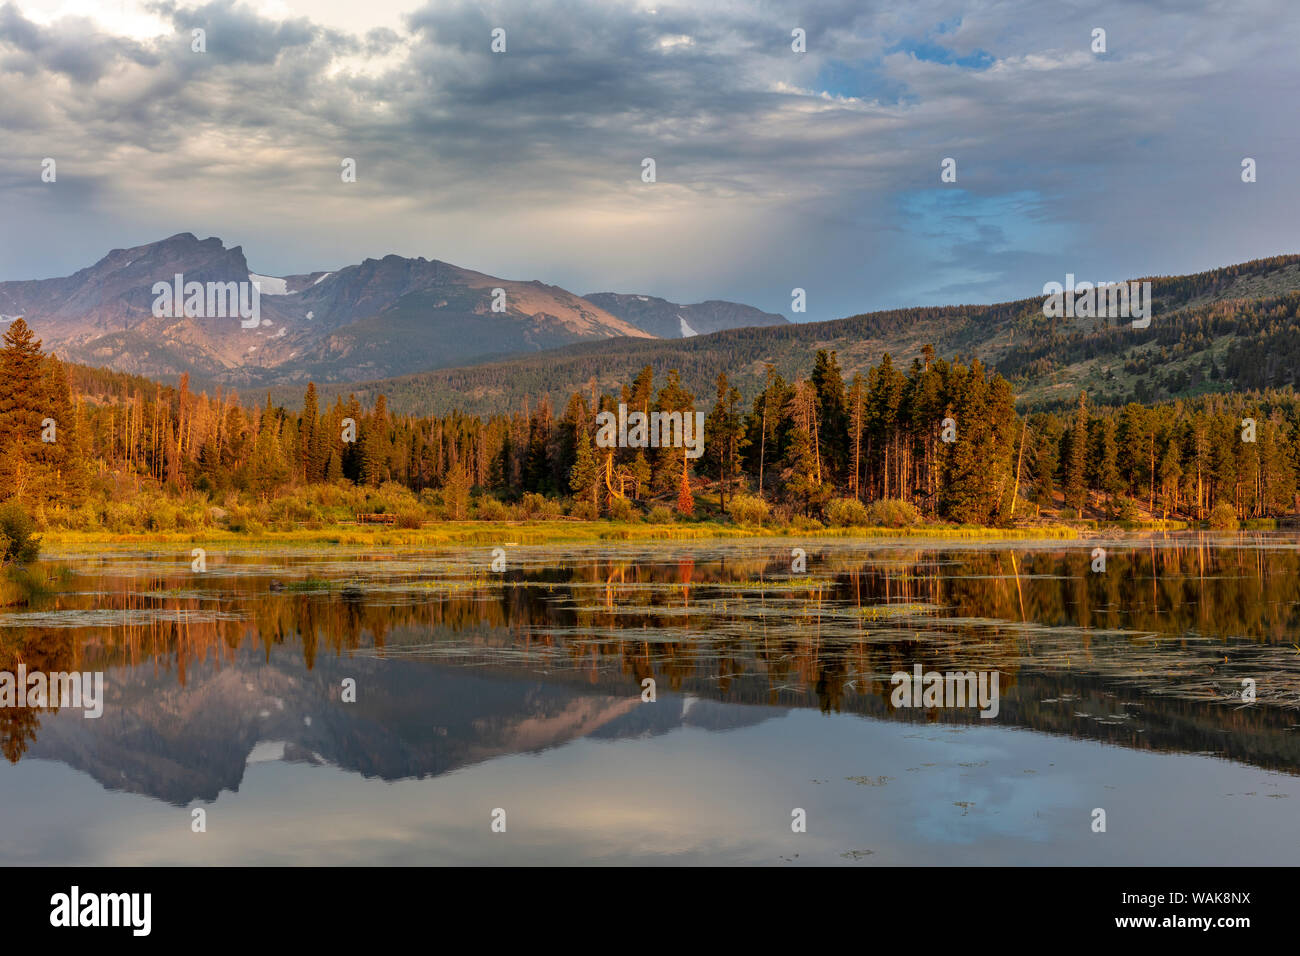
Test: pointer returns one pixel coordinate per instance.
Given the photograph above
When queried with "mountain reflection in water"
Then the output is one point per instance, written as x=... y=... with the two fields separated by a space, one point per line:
x=207 y=675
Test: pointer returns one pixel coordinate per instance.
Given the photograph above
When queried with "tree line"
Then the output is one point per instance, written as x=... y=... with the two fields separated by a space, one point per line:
x=943 y=436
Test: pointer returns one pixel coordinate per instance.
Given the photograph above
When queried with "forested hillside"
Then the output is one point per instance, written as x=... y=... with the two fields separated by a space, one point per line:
x=938 y=438
x=1228 y=329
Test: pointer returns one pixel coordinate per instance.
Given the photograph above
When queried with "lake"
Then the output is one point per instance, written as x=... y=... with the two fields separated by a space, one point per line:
x=338 y=706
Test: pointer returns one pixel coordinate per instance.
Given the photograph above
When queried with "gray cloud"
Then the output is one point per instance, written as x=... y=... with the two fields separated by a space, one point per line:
x=775 y=169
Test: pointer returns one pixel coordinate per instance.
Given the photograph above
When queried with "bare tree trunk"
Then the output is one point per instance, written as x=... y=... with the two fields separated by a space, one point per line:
x=1015 y=491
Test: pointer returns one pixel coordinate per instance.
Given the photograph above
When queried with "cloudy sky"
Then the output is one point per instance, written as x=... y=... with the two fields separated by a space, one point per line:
x=775 y=169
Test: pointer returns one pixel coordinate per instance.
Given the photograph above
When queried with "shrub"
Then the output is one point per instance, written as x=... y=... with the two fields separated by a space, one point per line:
x=620 y=509
x=489 y=509
x=285 y=512
x=748 y=509
x=409 y=519
x=660 y=515
x=804 y=523
x=846 y=512
x=1224 y=517
x=892 y=513
x=391 y=497
x=585 y=510
x=244 y=521
x=539 y=507
x=18 y=541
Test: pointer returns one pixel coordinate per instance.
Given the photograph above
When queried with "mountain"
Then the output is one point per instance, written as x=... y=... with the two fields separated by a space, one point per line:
x=424 y=333
x=181 y=742
x=381 y=317
x=668 y=320
x=1236 y=327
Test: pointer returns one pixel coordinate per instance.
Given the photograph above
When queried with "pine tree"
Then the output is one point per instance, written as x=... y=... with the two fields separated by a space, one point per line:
x=685 y=500
x=724 y=436
x=537 y=463
x=832 y=412
x=640 y=474
x=801 y=480
x=352 y=450
x=268 y=469
x=1076 y=475
x=311 y=445
x=1045 y=431
x=1134 y=437
x=456 y=491
x=1105 y=458
x=584 y=479
x=766 y=428
x=972 y=486
x=62 y=475
x=666 y=463
x=24 y=402
x=857 y=424
x=374 y=456
x=1171 y=473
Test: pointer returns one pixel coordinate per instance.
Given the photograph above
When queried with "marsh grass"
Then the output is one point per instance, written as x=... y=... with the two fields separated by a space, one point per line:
x=494 y=533
x=28 y=584
x=312 y=584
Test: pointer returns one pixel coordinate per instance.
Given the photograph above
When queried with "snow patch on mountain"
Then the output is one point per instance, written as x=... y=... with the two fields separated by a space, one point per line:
x=270 y=285
x=687 y=331
x=266 y=751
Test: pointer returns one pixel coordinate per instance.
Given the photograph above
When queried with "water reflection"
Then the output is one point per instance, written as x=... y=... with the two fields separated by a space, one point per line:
x=455 y=665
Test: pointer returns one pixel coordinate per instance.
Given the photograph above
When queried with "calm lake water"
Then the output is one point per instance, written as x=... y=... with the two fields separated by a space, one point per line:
x=521 y=691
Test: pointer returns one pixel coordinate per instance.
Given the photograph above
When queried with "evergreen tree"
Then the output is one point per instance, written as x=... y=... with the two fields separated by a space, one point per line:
x=724 y=436
x=976 y=473
x=456 y=490
x=1045 y=433
x=352 y=450
x=584 y=480
x=832 y=411
x=374 y=442
x=312 y=446
x=1105 y=459
x=333 y=467
x=24 y=404
x=666 y=463
x=1076 y=475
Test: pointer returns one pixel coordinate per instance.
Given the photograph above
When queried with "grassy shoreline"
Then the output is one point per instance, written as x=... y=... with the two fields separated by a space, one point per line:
x=453 y=533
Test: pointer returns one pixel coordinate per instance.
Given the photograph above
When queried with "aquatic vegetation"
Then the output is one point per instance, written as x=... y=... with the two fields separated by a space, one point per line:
x=1175 y=626
x=26 y=584
x=453 y=534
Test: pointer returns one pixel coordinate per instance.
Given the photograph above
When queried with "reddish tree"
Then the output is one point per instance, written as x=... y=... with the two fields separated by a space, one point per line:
x=685 y=500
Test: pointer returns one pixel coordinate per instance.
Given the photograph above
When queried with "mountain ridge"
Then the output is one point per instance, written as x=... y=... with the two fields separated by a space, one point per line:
x=670 y=320
x=1195 y=330
x=425 y=333
x=385 y=316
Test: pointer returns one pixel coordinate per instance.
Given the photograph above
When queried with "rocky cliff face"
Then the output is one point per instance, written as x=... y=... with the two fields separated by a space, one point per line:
x=380 y=317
